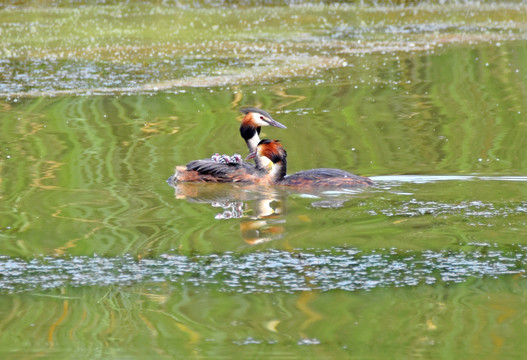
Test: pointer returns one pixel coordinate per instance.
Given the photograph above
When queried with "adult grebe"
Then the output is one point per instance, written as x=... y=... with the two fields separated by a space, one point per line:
x=336 y=178
x=223 y=168
x=250 y=127
x=210 y=171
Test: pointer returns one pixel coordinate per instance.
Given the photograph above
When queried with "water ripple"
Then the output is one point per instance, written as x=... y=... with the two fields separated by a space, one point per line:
x=342 y=268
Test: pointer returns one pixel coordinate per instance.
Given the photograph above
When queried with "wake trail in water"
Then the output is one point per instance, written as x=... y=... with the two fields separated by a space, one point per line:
x=421 y=179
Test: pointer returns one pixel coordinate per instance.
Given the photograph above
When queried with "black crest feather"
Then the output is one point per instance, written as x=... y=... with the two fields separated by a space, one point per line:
x=245 y=111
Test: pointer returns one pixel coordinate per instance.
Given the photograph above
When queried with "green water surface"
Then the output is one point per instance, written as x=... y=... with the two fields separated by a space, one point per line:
x=101 y=258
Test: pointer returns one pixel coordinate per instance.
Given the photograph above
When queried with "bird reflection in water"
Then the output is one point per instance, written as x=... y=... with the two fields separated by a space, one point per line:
x=260 y=208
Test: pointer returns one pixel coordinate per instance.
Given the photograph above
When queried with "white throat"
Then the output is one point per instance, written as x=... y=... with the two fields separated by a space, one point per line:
x=275 y=171
x=258 y=160
x=253 y=142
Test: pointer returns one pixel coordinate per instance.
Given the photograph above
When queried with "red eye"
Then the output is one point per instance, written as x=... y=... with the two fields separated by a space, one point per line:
x=261 y=117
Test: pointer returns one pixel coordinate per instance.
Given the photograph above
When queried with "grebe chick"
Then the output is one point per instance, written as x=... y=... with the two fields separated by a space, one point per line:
x=335 y=178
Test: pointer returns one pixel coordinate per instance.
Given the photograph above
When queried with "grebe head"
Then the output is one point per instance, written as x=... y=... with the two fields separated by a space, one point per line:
x=252 y=122
x=273 y=157
x=271 y=149
x=256 y=118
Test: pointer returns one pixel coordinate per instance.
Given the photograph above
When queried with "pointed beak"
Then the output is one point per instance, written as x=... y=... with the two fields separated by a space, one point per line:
x=251 y=156
x=275 y=123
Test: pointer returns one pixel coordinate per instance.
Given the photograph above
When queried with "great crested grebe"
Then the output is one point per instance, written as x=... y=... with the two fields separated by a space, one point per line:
x=211 y=171
x=250 y=127
x=336 y=178
x=224 y=168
